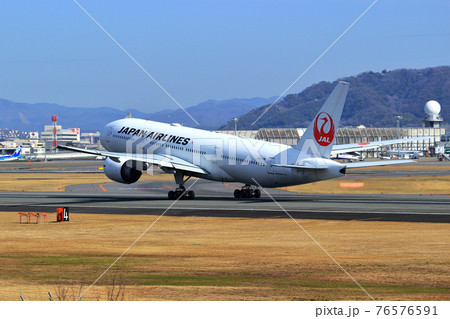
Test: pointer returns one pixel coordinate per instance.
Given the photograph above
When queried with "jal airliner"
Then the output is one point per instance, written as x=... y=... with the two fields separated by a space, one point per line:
x=133 y=146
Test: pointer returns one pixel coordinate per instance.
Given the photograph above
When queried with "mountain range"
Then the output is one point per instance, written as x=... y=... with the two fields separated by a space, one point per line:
x=210 y=114
x=373 y=100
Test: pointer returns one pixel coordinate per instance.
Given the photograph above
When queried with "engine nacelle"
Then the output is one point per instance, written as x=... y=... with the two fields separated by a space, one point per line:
x=122 y=172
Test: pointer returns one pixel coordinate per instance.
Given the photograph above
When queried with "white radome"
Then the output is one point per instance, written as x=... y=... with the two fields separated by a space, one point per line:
x=432 y=108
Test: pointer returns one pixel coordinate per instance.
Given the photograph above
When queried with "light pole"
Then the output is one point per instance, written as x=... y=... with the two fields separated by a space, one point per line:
x=235 y=120
x=399 y=118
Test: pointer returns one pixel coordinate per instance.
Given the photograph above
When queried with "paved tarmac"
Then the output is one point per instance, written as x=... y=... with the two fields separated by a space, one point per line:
x=216 y=199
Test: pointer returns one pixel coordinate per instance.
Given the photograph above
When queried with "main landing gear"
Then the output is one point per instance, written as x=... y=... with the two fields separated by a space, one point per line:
x=181 y=191
x=247 y=191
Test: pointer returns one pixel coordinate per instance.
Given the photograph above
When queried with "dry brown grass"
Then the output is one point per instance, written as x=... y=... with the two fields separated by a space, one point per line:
x=406 y=168
x=49 y=182
x=200 y=258
x=380 y=185
x=377 y=185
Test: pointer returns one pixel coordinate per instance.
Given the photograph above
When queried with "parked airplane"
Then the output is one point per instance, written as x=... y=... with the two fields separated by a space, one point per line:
x=351 y=156
x=12 y=157
x=399 y=153
x=133 y=145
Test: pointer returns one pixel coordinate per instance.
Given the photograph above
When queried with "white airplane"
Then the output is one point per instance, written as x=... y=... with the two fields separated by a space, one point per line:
x=12 y=157
x=399 y=153
x=353 y=156
x=134 y=145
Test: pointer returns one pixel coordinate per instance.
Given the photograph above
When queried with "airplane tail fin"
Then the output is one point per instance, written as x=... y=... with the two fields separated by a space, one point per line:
x=17 y=151
x=318 y=139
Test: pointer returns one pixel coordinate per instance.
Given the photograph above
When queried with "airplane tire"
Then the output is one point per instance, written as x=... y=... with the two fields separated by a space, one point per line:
x=257 y=193
x=237 y=193
x=191 y=195
x=179 y=194
x=172 y=195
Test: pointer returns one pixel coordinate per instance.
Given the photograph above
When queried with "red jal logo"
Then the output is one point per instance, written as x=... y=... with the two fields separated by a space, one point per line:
x=325 y=135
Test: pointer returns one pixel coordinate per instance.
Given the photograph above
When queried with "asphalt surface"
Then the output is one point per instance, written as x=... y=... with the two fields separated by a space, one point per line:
x=216 y=199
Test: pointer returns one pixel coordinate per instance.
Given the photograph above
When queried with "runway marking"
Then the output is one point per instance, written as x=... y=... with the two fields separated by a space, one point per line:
x=351 y=185
x=101 y=186
x=231 y=186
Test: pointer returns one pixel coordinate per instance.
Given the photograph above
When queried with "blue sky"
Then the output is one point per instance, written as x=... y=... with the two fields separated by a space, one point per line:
x=52 y=52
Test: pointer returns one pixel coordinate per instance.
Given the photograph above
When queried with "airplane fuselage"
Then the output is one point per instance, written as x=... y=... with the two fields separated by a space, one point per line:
x=225 y=157
x=133 y=145
x=13 y=157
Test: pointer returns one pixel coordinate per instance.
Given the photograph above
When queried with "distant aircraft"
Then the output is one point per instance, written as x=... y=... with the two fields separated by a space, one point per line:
x=62 y=156
x=12 y=157
x=351 y=156
x=354 y=148
x=134 y=145
x=398 y=153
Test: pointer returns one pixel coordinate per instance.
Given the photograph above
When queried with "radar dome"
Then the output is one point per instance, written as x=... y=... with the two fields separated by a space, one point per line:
x=432 y=108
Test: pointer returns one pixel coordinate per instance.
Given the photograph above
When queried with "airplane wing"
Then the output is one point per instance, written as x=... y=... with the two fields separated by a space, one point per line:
x=162 y=160
x=346 y=148
x=379 y=163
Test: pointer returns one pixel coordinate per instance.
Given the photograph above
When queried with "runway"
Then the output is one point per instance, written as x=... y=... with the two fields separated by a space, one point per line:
x=216 y=200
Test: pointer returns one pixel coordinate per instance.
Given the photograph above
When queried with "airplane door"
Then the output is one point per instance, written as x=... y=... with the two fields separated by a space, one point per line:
x=213 y=153
x=108 y=133
x=269 y=166
x=271 y=169
x=105 y=137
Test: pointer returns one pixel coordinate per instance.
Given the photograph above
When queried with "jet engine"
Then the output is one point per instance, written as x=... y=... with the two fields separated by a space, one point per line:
x=122 y=172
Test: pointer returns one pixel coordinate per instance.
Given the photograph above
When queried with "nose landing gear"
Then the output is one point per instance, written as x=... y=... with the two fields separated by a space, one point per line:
x=247 y=191
x=181 y=192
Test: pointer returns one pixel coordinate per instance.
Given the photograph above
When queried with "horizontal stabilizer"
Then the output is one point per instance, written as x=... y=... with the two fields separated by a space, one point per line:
x=304 y=166
x=380 y=163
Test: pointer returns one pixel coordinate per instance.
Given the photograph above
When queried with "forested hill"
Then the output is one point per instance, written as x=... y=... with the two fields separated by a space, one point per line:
x=374 y=99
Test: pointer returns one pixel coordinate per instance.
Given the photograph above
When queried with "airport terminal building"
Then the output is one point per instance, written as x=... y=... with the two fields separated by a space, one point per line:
x=432 y=127
x=361 y=134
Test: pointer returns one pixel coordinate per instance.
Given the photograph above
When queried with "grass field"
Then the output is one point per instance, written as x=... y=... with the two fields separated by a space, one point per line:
x=423 y=167
x=206 y=258
x=372 y=185
x=48 y=182
x=426 y=185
